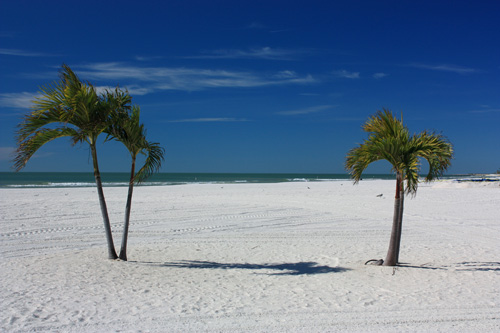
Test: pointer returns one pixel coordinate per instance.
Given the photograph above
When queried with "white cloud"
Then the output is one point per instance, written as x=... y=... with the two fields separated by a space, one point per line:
x=285 y=75
x=22 y=53
x=485 y=110
x=103 y=89
x=267 y=53
x=148 y=58
x=446 y=68
x=345 y=74
x=308 y=110
x=186 y=79
x=208 y=120
x=256 y=25
x=134 y=90
x=379 y=75
x=21 y=100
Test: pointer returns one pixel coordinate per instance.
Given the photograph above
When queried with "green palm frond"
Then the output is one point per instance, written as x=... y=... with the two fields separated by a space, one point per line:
x=70 y=106
x=154 y=158
x=360 y=157
x=34 y=121
x=30 y=145
x=436 y=150
x=388 y=139
x=127 y=129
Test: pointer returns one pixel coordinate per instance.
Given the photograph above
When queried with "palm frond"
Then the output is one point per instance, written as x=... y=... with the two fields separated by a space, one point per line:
x=360 y=157
x=30 y=145
x=437 y=150
x=68 y=104
x=152 y=164
x=388 y=139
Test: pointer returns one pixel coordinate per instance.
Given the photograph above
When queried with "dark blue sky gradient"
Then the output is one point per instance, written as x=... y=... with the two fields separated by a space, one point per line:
x=261 y=86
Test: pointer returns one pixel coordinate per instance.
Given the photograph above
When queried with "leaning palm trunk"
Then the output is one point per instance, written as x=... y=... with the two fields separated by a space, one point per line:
x=393 y=252
x=102 y=202
x=127 y=129
x=128 y=208
x=390 y=140
x=400 y=224
x=76 y=111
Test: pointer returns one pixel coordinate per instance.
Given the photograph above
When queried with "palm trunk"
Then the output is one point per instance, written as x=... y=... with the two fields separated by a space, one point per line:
x=102 y=202
x=123 y=250
x=392 y=254
x=400 y=224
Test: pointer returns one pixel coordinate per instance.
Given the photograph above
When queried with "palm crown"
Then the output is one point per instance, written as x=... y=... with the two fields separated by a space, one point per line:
x=126 y=128
x=67 y=108
x=390 y=140
x=74 y=109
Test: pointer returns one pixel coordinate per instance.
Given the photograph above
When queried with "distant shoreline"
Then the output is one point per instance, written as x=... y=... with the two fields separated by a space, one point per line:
x=120 y=179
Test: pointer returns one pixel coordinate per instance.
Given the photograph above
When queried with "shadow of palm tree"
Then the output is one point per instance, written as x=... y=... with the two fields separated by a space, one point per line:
x=299 y=268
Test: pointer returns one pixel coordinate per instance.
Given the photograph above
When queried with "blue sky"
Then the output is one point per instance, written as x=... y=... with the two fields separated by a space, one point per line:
x=261 y=86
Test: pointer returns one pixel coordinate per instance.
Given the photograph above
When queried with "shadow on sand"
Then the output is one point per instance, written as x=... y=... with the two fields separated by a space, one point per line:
x=299 y=268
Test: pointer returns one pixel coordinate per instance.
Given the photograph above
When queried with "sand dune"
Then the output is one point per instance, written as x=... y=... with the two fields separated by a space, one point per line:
x=283 y=257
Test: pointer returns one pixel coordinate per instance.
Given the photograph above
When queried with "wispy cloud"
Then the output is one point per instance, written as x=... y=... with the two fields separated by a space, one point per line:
x=133 y=89
x=208 y=120
x=256 y=25
x=346 y=74
x=148 y=58
x=22 y=53
x=21 y=100
x=379 y=75
x=312 y=109
x=150 y=79
x=285 y=75
x=446 y=68
x=266 y=53
x=485 y=110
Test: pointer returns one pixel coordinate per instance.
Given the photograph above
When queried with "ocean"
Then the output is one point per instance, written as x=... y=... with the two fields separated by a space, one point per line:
x=86 y=179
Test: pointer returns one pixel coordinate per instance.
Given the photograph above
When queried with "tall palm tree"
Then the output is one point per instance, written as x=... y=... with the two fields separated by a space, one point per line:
x=74 y=109
x=390 y=140
x=127 y=129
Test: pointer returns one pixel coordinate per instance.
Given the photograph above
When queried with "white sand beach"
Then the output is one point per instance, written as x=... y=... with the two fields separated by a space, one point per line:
x=286 y=257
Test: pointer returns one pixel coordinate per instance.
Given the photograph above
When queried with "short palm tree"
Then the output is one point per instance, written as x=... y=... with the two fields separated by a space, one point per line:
x=127 y=129
x=390 y=140
x=74 y=109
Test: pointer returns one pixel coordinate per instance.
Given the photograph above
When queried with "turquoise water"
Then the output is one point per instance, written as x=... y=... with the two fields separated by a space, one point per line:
x=81 y=179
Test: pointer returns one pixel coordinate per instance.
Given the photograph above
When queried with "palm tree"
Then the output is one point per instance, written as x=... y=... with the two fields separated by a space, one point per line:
x=127 y=129
x=71 y=108
x=390 y=140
